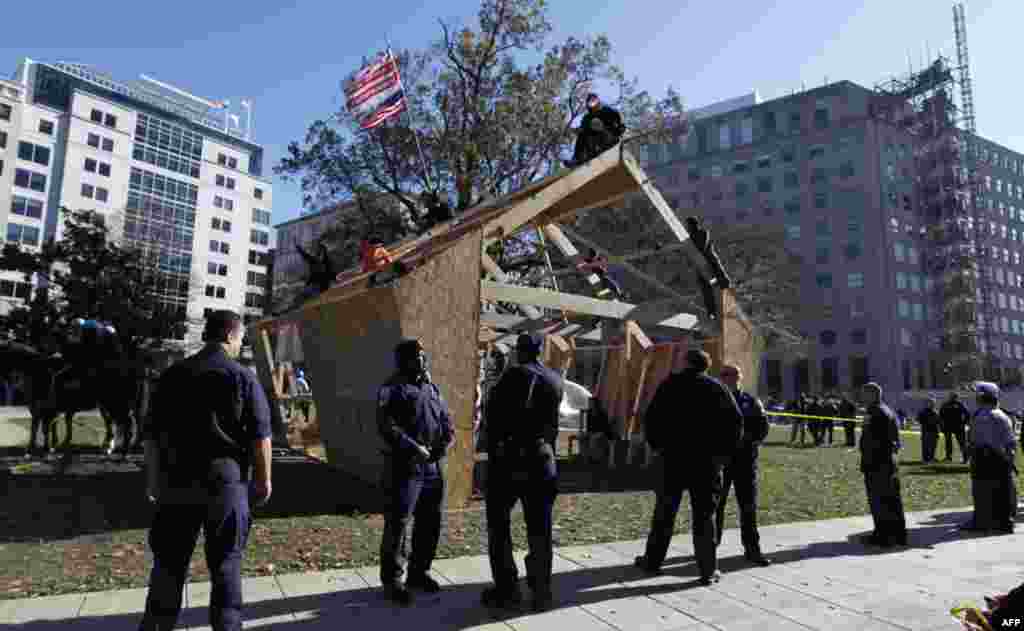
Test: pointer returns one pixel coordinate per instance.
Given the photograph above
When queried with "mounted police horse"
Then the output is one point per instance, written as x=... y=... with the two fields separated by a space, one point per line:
x=91 y=373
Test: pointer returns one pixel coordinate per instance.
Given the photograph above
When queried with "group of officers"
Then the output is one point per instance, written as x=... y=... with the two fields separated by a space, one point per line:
x=208 y=458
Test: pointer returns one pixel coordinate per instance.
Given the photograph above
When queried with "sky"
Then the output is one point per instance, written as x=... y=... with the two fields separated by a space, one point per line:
x=288 y=57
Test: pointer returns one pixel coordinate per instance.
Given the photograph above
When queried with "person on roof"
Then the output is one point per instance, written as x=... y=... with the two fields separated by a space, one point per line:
x=374 y=255
x=600 y=130
x=438 y=210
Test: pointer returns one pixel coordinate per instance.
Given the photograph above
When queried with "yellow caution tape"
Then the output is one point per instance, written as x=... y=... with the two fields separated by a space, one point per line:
x=823 y=418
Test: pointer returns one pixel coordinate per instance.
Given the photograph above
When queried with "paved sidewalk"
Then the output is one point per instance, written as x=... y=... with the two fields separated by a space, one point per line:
x=821 y=579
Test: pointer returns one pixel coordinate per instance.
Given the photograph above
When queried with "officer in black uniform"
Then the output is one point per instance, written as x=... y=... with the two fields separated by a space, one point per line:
x=955 y=418
x=413 y=419
x=848 y=410
x=600 y=129
x=741 y=471
x=692 y=454
x=522 y=426
x=879 y=446
x=210 y=423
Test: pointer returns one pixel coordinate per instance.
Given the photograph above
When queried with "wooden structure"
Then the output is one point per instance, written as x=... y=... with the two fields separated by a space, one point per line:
x=348 y=333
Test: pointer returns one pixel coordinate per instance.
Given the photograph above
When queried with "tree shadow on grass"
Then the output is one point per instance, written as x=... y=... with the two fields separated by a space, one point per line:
x=86 y=493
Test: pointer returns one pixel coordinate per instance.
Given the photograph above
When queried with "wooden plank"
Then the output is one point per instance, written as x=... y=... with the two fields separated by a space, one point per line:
x=490 y=290
x=491 y=266
x=526 y=210
x=647 y=278
x=569 y=251
x=647 y=186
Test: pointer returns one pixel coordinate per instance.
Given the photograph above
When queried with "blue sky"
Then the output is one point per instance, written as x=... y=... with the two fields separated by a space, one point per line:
x=290 y=59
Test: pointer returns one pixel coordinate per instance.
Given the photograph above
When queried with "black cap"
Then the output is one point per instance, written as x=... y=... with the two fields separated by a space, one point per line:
x=408 y=348
x=530 y=342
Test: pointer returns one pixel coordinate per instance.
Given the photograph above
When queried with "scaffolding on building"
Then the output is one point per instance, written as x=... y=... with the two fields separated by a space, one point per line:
x=946 y=200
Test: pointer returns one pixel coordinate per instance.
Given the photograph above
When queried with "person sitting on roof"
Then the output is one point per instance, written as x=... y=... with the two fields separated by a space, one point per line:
x=598 y=265
x=374 y=255
x=600 y=130
x=438 y=210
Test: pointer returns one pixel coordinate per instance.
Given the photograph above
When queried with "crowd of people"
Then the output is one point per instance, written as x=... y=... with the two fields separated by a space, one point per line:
x=208 y=456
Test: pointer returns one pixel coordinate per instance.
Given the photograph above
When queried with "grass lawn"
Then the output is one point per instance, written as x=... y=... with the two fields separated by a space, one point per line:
x=797 y=484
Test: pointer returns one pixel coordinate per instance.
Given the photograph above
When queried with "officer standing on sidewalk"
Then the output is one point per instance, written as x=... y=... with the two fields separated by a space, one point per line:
x=741 y=471
x=522 y=426
x=879 y=447
x=413 y=419
x=210 y=423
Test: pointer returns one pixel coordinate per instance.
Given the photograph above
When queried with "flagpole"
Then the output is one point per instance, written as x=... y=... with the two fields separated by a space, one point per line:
x=408 y=113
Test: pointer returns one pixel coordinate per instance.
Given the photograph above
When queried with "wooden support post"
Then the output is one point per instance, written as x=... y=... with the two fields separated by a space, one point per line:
x=277 y=425
x=570 y=252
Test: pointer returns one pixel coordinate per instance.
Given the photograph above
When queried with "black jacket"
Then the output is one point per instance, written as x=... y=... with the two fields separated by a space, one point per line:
x=929 y=420
x=516 y=415
x=954 y=416
x=411 y=414
x=755 y=421
x=693 y=417
x=610 y=119
x=206 y=412
x=880 y=439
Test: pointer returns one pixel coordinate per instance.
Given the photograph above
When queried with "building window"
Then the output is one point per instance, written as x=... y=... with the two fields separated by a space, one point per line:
x=741 y=189
x=108 y=144
x=259 y=258
x=821 y=118
x=769 y=122
x=827 y=338
x=791 y=179
x=853 y=251
x=793 y=232
x=96 y=116
x=257 y=193
x=822 y=255
x=222 y=159
x=93 y=141
x=26 y=207
x=903 y=308
x=794 y=123
x=254 y=300
x=232 y=163
x=824 y=281
x=819 y=177
x=46 y=127
x=261 y=216
x=219 y=180
x=17 y=233
x=231 y=183
x=218 y=201
x=855 y=280
x=724 y=137
x=899 y=251
x=30 y=180
x=821 y=200
x=109 y=120
x=87 y=190
x=34 y=153
x=918 y=311
x=259 y=237
x=104 y=169
x=857 y=307
x=816 y=151
x=211 y=268
x=167 y=146
x=846 y=169
x=859 y=336
x=901 y=280
x=5 y=112
x=102 y=194
x=90 y=165
x=256 y=279
x=764 y=184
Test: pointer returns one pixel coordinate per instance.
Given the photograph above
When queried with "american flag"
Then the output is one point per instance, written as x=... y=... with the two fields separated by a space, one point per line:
x=375 y=93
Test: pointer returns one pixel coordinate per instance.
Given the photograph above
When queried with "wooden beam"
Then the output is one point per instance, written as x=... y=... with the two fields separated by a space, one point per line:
x=569 y=251
x=696 y=258
x=490 y=290
x=491 y=266
x=647 y=278
x=526 y=210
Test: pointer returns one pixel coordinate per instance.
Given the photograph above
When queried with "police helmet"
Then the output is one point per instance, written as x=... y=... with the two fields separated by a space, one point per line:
x=408 y=349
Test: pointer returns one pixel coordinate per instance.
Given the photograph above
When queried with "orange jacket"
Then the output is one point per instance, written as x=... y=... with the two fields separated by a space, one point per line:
x=374 y=257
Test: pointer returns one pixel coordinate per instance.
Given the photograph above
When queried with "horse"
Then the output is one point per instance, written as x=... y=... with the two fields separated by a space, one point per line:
x=96 y=377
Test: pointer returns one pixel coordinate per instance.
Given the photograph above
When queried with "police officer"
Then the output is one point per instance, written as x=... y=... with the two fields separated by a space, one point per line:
x=741 y=470
x=954 y=419
x=692 y=456
x=210 y=423
x=993 y=447
x=879 y=445
x=522 y=426
x=413 y=419
x=848 y=410
x=929 y=421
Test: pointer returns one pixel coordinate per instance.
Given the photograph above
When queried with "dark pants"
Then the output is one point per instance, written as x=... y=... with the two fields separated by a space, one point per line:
x=883 y=488
x=850 y=431
x=994 y=491
x=705 y=485
x=223 y=515
x=419 y=499
x=929 y=441
x=741 y=474
x=961 y=439
x=538 y=498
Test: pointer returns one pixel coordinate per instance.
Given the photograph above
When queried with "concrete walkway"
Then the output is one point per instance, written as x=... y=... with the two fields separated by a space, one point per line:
x=821 y=579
